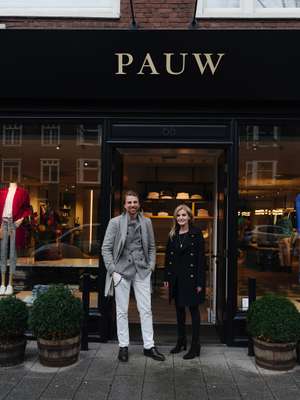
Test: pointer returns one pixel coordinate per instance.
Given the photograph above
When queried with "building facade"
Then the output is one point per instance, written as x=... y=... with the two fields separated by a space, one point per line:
x=181 y=102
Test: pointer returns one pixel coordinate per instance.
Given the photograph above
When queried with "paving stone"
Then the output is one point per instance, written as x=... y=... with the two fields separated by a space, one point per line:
x=61 y=388
x=246 y=375
x=286 y=392
x=135 y=366
x=217 y=375
x=278 y=378
x=12 y=374
x=191 y=392
x=28 y=388
x=158 y=391
x=259 y=391
x=129 y=387
x=222 y=391
x=79 y=369
x=93 y=390
x=5 y=388
x=102 y=368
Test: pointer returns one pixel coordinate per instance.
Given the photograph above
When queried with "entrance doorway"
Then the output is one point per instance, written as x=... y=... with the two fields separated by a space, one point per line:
x=164 y=178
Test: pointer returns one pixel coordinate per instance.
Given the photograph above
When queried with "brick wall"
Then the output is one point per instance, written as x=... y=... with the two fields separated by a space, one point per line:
x=150 y=14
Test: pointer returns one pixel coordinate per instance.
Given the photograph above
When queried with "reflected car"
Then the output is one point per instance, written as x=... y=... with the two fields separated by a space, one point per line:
x=74 y=243
x=267 y=235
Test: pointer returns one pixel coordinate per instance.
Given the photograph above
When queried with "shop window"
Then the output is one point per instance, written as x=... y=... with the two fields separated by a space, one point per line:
x=61 y=8
x=88 y=171
x=260 y=172
x=269 y=182
x=11 y=170
x=50 y=171
x=249 y=8
x=12 y=135
x=50 y=135
x=62 y=231
x=89 y=136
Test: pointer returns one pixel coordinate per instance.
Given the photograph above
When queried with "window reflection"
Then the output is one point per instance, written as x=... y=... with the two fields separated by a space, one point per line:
x=269 y=181
x=63 y=182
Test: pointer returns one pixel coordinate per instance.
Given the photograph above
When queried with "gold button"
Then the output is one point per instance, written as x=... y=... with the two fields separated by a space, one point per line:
x=170 y=262
x=191 y=265
x=172 y=252
x=192 y=276
x=192 y=254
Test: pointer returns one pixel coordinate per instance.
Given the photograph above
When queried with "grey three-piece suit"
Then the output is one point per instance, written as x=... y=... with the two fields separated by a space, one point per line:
x=129 y=249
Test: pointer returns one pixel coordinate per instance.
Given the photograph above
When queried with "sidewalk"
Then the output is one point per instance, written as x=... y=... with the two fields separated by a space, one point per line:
x=220 y=373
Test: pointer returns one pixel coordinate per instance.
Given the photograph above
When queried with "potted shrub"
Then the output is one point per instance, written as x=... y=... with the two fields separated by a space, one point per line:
x=274 y=323
x=55 y=320
x=13 y=323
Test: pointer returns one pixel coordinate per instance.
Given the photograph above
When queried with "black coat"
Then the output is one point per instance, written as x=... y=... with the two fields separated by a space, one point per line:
x=185 y=268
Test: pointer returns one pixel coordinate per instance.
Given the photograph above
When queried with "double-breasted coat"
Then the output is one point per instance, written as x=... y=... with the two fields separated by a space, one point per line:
x=185 y=268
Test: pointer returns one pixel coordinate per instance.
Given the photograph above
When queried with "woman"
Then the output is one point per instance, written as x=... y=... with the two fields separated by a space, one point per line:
x=184 y=276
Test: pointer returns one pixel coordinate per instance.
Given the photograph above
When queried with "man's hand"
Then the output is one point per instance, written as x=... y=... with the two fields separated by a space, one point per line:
x=18 y=222
x=198 y=289
x=116 y=278
x=166 y=285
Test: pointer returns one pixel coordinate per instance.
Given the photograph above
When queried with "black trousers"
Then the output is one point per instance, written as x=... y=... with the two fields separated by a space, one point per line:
x=181 y=316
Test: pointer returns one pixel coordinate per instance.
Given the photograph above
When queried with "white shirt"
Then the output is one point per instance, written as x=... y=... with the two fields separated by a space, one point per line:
x=7 y=211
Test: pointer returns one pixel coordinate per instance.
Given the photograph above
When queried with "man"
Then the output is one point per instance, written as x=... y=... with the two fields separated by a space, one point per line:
x=128 y=252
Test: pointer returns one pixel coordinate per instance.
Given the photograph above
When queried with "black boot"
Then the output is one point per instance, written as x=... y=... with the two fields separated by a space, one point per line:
x=181 y=344
x=193 y=352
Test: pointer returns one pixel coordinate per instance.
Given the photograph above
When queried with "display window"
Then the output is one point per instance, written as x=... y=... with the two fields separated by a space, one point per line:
x=269 y=182
x=58 y=237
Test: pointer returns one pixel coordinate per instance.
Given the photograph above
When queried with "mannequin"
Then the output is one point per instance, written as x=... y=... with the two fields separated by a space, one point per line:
x=14 y=207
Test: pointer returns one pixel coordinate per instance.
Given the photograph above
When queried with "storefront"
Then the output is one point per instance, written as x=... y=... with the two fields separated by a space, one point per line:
x=208 y=118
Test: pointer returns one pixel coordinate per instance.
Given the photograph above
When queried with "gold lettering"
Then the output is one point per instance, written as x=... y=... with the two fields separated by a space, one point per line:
x=208 y=62
x=124 y=59
x=168 y=63
x=148 y=63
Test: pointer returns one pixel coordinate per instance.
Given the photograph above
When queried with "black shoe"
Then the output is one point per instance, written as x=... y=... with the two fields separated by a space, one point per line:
x=181 y=344
x=154 y=354
x=123 y=354
x=193 y=352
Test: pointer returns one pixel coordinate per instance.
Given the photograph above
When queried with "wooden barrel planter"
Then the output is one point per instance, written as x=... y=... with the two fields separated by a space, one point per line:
x=275 y=356
x=12 y=353
x=59 y=353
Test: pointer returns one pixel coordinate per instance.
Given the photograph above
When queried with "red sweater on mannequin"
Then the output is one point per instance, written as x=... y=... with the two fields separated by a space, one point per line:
x=20 y=209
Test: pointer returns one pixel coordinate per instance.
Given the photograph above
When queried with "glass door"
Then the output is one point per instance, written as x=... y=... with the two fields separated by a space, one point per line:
x=165 y=178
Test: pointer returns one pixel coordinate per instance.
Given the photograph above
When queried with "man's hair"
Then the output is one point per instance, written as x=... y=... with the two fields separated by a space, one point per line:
x=130 y=193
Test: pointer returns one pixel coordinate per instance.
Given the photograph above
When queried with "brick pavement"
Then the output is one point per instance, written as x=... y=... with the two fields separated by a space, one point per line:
x=220 y=373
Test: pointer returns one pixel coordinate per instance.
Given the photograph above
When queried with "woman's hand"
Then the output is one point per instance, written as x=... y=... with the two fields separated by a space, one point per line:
x=166 y=285
x=198 y=289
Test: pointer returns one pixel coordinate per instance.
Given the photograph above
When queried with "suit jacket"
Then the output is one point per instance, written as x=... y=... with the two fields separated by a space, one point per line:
x=20 y=209
x=114 y=242
x=185 y=268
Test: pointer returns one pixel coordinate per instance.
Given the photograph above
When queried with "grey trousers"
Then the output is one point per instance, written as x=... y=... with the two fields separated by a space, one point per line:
x=9 y=230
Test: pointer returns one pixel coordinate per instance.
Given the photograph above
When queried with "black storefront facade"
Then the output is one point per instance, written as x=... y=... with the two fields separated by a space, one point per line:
x=176 y=106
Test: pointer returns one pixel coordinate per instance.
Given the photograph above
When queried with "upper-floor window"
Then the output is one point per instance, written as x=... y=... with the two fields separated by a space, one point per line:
x=89 y=136
x=50 y=135
x=61 y=8
x=50 y=170
x=249 y=8
x=260 y=172
x=12 y=135
x=262 y=136
x=10 y=170
x=88 y=170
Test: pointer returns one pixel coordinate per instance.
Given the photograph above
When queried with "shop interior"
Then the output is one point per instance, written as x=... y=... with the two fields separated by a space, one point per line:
x=268 y=240
x=165 y=178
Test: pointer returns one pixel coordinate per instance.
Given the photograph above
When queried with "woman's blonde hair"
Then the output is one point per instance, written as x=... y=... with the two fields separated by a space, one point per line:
x=175 y=226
